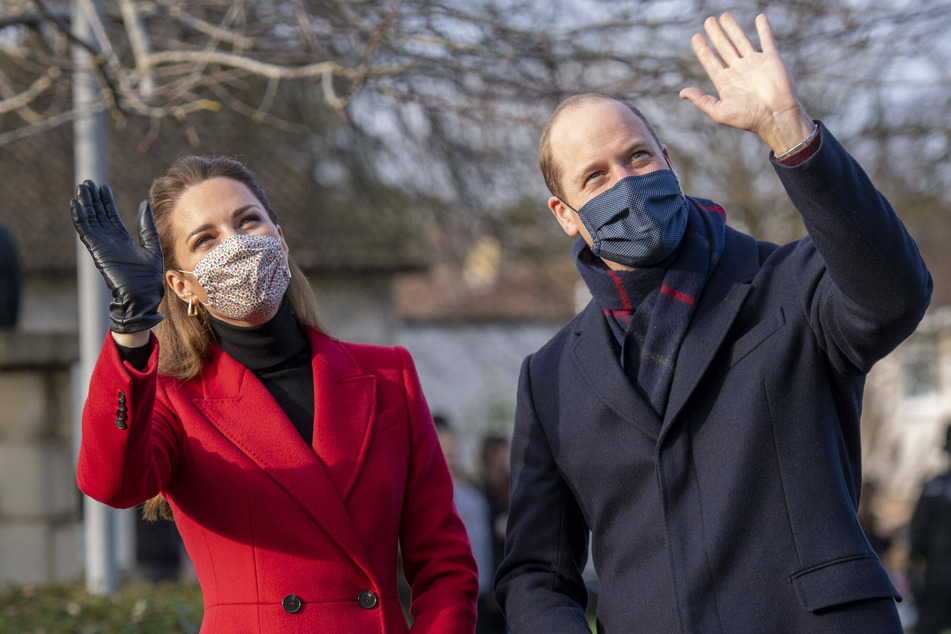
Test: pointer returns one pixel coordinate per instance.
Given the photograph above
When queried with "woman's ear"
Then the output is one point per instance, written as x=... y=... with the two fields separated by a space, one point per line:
x=176 y=282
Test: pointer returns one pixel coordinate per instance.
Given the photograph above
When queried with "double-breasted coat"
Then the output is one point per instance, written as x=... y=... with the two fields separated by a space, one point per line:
x=735 y=511
x=286 y=537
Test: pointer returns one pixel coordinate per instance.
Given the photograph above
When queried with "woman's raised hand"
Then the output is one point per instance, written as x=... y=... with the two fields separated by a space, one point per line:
x=133 y=270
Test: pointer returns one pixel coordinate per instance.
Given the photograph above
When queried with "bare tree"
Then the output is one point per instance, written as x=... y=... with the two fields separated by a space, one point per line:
x=446 y=97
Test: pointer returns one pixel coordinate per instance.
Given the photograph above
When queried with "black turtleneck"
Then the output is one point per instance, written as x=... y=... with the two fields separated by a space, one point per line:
x=278 y=353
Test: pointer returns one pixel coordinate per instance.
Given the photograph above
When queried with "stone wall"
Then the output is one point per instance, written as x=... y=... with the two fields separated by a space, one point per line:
x=39 y=500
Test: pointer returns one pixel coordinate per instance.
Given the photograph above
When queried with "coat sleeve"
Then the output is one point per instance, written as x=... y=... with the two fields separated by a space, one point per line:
x=130 y=440
x=437 y=559
x=870 y=288
x=539 y=584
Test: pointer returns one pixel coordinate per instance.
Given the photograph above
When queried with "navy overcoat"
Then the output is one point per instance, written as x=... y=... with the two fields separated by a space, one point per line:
x=736 y=512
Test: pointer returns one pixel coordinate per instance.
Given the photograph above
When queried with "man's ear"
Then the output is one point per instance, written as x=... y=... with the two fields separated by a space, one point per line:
x=564 y=215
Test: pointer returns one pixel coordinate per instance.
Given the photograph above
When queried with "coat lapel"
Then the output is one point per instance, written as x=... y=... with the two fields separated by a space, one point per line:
x=599 y=361
x=719 y=305
x=242 y=409
x=344 y=407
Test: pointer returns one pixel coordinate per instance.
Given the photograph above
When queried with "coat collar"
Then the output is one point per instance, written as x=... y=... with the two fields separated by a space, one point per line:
x=718 y=307
x=321 y=477
x=595 y=351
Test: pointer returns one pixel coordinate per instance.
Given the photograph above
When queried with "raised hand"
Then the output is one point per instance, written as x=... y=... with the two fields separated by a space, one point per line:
x=756 y=90
x=132 y=270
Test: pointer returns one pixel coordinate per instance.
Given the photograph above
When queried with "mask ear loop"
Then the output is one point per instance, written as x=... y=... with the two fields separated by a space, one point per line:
x=192 y=305
x=287 y=255
x=676 y=175
x=596 y=241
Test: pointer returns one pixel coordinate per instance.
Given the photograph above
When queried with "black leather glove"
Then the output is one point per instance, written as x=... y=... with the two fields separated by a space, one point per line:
x=133 y=272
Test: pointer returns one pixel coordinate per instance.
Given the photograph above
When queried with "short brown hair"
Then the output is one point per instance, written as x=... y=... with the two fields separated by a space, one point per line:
x=546 y=161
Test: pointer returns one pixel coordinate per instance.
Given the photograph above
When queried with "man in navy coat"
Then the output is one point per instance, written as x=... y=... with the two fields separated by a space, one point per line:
x=699 y=420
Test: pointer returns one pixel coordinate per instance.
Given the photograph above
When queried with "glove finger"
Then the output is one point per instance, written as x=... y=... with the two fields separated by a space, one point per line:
x=78 y=215
x=97 y=205
x=148 y=234
x=109 y=206
x=85 y=196
x=87 y=235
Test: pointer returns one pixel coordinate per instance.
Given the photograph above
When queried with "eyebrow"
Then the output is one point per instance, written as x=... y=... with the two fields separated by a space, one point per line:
x=638 y=144
x=205 y=227
x=581 y=175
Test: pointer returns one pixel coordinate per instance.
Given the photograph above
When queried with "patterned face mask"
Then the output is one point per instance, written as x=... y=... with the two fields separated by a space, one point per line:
x=245 y=276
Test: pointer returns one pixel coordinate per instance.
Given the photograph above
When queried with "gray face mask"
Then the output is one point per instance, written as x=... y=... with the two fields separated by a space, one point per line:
x=639 y=221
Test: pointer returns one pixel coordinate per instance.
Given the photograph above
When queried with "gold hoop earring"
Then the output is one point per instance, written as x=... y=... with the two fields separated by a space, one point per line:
x=192 y=309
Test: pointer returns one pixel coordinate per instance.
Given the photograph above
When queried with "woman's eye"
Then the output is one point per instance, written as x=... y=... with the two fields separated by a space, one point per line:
x=201 y=240
x=250 y=219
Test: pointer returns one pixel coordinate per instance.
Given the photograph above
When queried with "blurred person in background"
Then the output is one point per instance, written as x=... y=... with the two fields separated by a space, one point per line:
x=495 y=458
x=930 y=555
x=9 y=279
x=475 y=510
x=868 y=520
x=295 y=465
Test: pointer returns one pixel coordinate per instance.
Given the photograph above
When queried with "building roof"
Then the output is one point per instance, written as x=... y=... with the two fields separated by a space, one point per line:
x=511 y=289
x=329 y=230
x=545 y=289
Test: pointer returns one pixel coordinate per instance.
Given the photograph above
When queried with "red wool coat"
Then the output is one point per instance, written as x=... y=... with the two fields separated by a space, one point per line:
x=285 y=537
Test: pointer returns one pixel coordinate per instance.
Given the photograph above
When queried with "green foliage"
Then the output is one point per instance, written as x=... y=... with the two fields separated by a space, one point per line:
x=138 y=607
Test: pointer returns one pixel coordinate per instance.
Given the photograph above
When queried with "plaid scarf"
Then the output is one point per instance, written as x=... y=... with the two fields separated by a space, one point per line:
x=649 y=309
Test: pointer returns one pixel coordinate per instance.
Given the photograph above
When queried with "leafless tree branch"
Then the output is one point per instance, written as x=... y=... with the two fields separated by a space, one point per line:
x=460 y=82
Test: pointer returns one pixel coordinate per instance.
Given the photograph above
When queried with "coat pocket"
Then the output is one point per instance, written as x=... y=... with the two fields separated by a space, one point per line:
x=843 y=581
x=750 y=340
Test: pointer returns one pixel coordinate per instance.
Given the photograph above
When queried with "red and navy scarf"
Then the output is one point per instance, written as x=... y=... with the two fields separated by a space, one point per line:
x=649 y=309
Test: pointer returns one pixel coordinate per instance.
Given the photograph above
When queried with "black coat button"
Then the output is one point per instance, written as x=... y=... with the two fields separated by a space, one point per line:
x=367 y=599
x=120 y=423
x=292 y=604
x=121 y=396
x=121 y=414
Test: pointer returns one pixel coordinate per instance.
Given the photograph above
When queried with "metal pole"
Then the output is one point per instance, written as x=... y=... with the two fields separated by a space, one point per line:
x=90 y=161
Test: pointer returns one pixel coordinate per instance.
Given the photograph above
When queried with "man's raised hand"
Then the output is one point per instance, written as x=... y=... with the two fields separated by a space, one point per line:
x=756 y=90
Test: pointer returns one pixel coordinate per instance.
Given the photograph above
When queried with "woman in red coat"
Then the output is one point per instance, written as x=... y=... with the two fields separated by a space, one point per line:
x=299 y=469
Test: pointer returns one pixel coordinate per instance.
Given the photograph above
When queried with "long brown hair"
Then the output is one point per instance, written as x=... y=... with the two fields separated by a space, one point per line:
x=185 y=343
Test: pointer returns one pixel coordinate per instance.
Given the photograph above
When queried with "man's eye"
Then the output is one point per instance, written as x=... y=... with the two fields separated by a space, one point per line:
x=592 y=176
